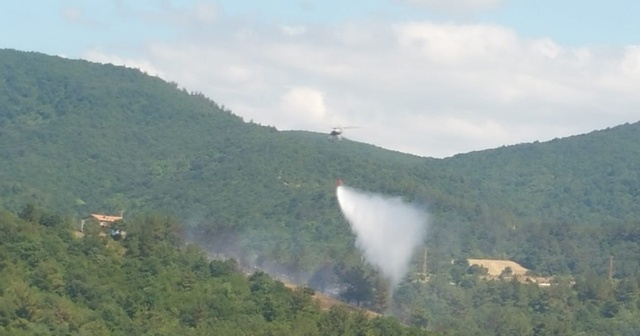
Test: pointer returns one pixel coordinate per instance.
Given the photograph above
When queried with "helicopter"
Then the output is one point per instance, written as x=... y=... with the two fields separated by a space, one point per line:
x=336 y=132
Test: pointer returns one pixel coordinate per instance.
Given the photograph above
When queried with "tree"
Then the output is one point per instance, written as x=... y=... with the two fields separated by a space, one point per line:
x=381 y=294
x=359 y=287
x=30 y=213
x=419 y=318
x=336 y=322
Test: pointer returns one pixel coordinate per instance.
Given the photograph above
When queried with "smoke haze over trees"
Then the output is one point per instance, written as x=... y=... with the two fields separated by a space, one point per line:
x=77 y=137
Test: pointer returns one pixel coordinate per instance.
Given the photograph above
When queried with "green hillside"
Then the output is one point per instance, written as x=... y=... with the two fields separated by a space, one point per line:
x=78 y=138
x=592 y=177
x=550 y=205
x=52 y=283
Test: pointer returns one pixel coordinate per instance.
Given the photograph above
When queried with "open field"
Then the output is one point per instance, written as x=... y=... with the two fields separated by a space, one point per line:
x=496 y=267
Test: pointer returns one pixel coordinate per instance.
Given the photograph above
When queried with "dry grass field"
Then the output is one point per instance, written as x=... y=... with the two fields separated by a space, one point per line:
x=496 y=267
x=326 y=302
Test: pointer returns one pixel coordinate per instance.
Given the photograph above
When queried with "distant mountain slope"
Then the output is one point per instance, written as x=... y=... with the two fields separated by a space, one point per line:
x=66 y=123
x=82 y=137
x=95 y=129
x=591 y=177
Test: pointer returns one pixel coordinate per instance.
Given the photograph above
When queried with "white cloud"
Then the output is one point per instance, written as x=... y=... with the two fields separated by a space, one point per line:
x=205 y=13
x=77 y=16
x=293 y=30
x=428 y=88
x=73 y=14
x=303 y=104
x=630 y=65
x=98 y=56
x=547 y=48
x=454 y=5
x=195 y=17
x=453 y=44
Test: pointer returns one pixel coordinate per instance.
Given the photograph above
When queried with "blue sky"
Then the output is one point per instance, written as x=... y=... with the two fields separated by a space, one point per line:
x=42 y=24
x=573 y=22
x=429 y=77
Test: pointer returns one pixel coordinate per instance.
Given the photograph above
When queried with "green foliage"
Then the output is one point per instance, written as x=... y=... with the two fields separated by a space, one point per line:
x=78 y=137
x=148 y=283
x=359 y=284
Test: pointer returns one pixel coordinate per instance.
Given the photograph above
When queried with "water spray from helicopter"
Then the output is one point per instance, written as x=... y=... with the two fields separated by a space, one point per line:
x=388 y=230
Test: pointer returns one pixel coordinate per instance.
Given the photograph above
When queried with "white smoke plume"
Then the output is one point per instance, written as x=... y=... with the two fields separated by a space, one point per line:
x=388 y=230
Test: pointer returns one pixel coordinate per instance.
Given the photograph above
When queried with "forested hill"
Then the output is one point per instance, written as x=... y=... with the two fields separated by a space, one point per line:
x=78 y=137
x=96 y=134
x=52 y=283
x=590 y=177
x=101 y=137
x=549 y=205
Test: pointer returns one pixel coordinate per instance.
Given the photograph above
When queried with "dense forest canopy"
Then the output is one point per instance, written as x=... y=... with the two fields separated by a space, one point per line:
x=150 y=283
x=78 y=138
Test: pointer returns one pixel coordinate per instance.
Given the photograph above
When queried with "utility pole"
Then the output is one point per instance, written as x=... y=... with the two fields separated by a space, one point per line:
x=611 y=268
x=424 y=262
